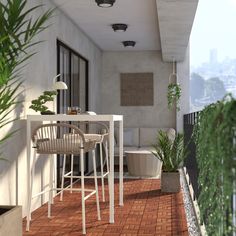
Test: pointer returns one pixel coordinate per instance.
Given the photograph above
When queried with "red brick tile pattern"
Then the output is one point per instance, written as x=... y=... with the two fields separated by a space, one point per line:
x=146 y=212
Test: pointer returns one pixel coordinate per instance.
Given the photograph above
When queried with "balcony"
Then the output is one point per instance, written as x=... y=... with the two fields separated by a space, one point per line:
x=147 y=211
x=114 y=62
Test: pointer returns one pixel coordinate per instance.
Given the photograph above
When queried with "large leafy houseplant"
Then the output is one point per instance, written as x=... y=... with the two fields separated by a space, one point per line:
x=171 y=152
x=17 y=31
x=215 y=138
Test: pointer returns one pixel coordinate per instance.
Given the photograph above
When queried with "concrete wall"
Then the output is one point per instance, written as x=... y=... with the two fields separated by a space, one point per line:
x=113 y=64
x=38 y=77
x=183 y=70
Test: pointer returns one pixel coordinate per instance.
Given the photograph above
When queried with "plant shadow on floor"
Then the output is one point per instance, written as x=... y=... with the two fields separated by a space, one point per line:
x=146 y=194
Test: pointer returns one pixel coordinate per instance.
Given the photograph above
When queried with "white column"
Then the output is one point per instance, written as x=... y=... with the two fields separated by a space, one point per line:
x=184 y=80
x=28 y=142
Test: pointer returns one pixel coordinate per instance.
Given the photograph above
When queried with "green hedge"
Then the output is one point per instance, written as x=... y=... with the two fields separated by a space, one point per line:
x=215 y=138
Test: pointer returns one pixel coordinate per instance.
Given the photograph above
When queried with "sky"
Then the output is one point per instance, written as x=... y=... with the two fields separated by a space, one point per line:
x=214 y=28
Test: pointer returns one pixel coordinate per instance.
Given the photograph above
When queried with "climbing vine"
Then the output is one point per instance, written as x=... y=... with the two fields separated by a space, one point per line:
x=215 y=138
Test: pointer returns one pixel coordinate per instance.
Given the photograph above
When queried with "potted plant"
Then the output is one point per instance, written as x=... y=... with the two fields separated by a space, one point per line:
x=171 y=152
x=18 y=29
x=174 y=90
x=38 y=104
x=173 y=95
x=11 y=220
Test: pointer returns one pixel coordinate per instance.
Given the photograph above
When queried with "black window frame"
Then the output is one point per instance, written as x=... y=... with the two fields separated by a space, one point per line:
x=72 y=51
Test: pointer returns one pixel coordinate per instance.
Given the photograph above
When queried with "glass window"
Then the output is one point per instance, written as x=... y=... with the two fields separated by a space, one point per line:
x=74 y=72
x=73 y=69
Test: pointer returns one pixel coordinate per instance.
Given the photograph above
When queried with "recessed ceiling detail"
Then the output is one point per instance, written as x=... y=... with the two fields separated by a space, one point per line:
x=119 y=27
x=129 y=44
x=105 y=3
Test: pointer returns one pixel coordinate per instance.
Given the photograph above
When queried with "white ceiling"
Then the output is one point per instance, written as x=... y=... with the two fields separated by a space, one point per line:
x=154 y=24
x=140 y=15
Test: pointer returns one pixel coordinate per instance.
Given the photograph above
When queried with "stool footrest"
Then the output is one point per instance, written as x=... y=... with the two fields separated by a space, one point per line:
x=85 y=177
x=65 y=189
x=89 y=195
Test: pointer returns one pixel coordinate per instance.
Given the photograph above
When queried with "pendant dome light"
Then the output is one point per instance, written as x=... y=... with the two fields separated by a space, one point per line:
x=105 y=3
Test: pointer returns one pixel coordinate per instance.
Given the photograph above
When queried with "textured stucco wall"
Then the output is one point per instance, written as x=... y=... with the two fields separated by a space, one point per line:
x=183 y=70
x=113 y=64
x=38 y=77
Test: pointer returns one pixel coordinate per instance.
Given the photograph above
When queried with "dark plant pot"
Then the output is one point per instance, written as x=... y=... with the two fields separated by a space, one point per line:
x=47 y=113
x=170 y=182
x=11 y=220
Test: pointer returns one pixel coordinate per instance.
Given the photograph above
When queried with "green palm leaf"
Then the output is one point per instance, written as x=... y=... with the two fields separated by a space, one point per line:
x=17 y=30
x=171 y=153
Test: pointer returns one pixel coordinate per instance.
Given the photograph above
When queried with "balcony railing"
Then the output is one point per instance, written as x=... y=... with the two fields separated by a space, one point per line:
x=191 y=163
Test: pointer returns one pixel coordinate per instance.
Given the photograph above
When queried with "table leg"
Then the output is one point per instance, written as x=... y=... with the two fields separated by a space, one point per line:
x=28 y=142
x=111 y=174
x=121 y=189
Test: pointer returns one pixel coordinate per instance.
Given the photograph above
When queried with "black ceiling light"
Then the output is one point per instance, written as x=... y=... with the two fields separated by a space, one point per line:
x=129 y=43
x=119 y=27
x=105 y=3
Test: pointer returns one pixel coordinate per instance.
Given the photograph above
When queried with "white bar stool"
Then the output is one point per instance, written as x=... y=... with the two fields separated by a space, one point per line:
x=54 y=139
x=101 y=140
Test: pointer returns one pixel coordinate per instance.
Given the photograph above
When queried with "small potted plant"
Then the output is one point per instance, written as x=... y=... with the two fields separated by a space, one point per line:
x=173 y=95
x=174 y=90
x=171 y=152
x=38 y=104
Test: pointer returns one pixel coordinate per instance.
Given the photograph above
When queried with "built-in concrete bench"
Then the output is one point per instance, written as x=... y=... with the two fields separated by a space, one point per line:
x=138 y=149
x=143 y=163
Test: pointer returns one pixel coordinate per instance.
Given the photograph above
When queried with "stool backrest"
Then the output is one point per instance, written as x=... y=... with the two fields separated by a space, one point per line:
x=54 y=139
x=92 y=127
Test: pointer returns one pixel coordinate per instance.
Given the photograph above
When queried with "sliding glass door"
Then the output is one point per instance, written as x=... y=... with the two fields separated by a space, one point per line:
x=74 y=72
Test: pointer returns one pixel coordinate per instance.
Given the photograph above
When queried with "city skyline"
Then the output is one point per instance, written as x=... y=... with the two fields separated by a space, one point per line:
x=214 y=21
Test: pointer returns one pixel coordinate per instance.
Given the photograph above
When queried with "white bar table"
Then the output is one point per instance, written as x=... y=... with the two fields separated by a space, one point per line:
x=104 y=118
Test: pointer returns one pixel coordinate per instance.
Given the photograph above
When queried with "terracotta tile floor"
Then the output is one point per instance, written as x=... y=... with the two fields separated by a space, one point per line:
x=147 y=211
